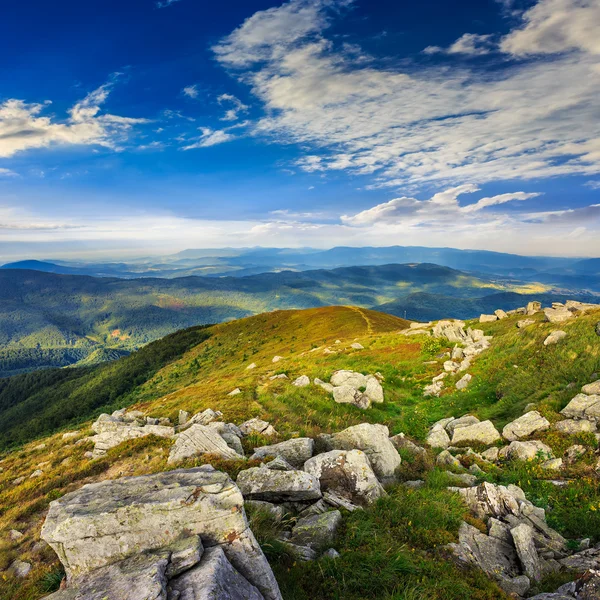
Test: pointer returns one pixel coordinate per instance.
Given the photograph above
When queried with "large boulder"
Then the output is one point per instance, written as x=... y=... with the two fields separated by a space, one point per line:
x=257 y=425
x=453 y=331
x=374 y=441
x=489 y=500
x=555 y=337
x=261 y=483
x=592 y=389
x=526 y=451
x=525 y=426
x=295 y=451
x=483 y=432
x=317 y=531
x=488 y=318
x=351 y=378
x=583 y=407
x=523 y=538
x=559 y=314
x=572 y=426
x=346 y=394
x=104 y=523
x=198 y=440
x=346 y=473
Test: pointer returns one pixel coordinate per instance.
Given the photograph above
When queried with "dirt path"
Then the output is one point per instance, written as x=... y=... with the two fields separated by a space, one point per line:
x=364 y=316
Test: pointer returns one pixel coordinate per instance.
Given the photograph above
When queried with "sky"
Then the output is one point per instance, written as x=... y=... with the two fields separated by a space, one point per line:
x=145 y=127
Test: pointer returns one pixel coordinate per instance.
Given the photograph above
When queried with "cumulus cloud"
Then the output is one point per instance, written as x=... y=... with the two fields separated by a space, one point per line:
x=472 y=44
x=411 y=124
x=23 y=125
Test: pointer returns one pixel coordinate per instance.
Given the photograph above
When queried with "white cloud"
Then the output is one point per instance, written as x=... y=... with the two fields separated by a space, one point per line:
x=210 y=137
x=552 y=26
x=471 y=44
x=412 y=124
x=7 y=173
x=232 y=114
x=165 y=3
x=594 y=185
x=191 y=91
x=23 y=127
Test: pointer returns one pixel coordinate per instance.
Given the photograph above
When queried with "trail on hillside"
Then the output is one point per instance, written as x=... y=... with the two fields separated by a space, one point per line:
x=364 y=316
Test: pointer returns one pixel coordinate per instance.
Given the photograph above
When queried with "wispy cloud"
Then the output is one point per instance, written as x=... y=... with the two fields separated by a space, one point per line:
x=472 y=44
x=210 y=137
x=165 y=3
x=7 y=173
x=191 y=91
x=237 y=107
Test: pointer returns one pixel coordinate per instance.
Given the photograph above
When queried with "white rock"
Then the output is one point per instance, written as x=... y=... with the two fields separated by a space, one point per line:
x=357 y=346
x=198 y=440
x=295 y=451
x=526 y=450
x=591 y=389
x=251 y=366
x=257 y=425
x=500 y=313
x=488 y=318
x=438 y=438
x=583 y=407
x=526 y=425
x=558 y=315
x=235 y=392
x=483 y=432
x=571 y=426
x=301 y=381
x=323 y=384
x=554 y=338
x=349 y=378
x=269 y=485
x=276 y=359
x=462 y=383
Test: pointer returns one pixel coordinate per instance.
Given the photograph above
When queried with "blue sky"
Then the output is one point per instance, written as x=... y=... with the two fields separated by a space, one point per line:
x=142 y=127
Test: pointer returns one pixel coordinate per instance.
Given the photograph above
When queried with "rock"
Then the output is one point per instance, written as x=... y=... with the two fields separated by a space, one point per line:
x=14 y=535
x=453 y=331
x=18 y=480
x=491 y=454
x=276 y=359
x=526 y=451
x=317 y=531
x=235 y=392
x=450 y=366
x=489 y=500
x=499 y=530
x=533 y=307
x=205 y=417
x=582 y=561
x=457 y=353
x=36 y=473
x=483 y=432
x=571 y=426
x=357 y=346
x=525 y=426
x=574 y=453
x=184 y=417
x=323 y=384
x=184 y=554
x=20 y=568
x=462 y=383
x=401 y=442
x=301 y=381
x=301 y=553
x=461 y=478
x=279 y=464
x=558 y=315
x=351 y=378
x=331 y=553
x=275 y=511
x=260 y=483
x=583 y=407
x=374 y=441
x=230 y=433
x=464 y=421
x=257 y=426
x=554 y=464
x=198 y=440
x=488 y=318
x=251 y=366
x=591 y=389
x=374 y=390
x=295 y=451
x=434 y=389
x=278 y=376
x=438 y=438
x=445 y=459
x=214 y=577
x=523 y=539
x=104 y=523
x=500 y=313
x=525 y=323
x=555 y=337
x=70 y=435
x=346 y=473
x=346 y=394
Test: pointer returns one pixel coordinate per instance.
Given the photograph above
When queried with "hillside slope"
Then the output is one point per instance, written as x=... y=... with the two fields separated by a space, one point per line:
x=391 y=550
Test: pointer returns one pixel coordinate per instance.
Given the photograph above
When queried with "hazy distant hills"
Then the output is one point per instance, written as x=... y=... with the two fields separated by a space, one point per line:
x=52 y=319
x=572 y=273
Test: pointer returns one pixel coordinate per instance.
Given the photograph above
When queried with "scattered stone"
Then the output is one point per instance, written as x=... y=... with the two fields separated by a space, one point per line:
x=357 y=346
x=18 y=480
x=345 y=394
x=14 y=535
x=331 y=553
x=583 y=407
x=276 y=359
x=571 y=426
x=526 y=451
x=491 y=454
x=525 y=323
x=488 y=318
x=275 y=511
x=523 y=538
x=346 y=473
x=462 y=383
x=461 y=478
x=259 y=483
x=278 y=376
x=533 y=307
x=558 y=315
x=20 y=568
x=463 y=421
x=554 y=338
x=256 y=425
x=591 y=389
x=230 y=433
x=574 y=453
x=184 y=417
x=302 y=381
x=302 y=553
x=70 y=435
x=323 y=384
x=554 y=464
x=235 y=392
x=401 y=442
x=457 y=353
x=500 y=314
x=198 y=440
x=205 y=417
x=438 y=438
x=251 y=366
x=445 y=459
x=450 y=366
x=279 y=464
x=295 y=451
x=317 y=531
x=483 y=432
x=36 y=473
x=524 y=426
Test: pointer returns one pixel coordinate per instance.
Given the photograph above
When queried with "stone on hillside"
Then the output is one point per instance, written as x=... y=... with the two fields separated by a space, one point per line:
x=488 y=318
x=483 y=432
x=524 y=543
x=346 y=394
x=317 y=531
x=583 y=407
x=571 y=426
x=275 y=511
x=592 y=389
x=374 y=390
x=205 y=417
x=323 y=384
x=450 y=366
x=554 y=464
x=533 y=307
x=463 y=383
x=489 y=500
x=500 y=313
x=466 y=479
x=558 y=315
x=374 y=441
x=351 y=378
x=278 y=376
x=445 y=459
x=346 y=473
x=70 y=435
x=184 y=417
x=276 y=359
x=251 y=366
x=463 y=421
x=301 y=553
x=401 y=442
x=453 y=331
x=526 y=451
x=14 y=535
x=235 y=392
x=214 y=577
x=582 y=561
x=198 y=440
x=491 y=454
x=301 y=381
x=279 y=464
x=457 y=353
x=104 y=523
x=357 y=346
x=554 y=338
x=433 y=389
x=260 y=483
x=525 y=426
x=525 y=323
x=19 y=568
x=438 y=438
x=230 y=433
x=256 y=425
x=574 y=452
x=295 y=451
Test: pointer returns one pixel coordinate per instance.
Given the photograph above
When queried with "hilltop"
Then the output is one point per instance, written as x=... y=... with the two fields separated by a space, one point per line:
x=255 y=368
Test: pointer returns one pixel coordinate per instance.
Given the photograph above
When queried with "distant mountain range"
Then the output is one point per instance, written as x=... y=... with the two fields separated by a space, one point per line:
x=569 y=273
x=50 y=319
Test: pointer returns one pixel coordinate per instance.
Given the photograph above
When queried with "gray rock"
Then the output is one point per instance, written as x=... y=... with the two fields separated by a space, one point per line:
x=374 y=441
x=483 y=432
x=346 y=473
x=357 y=346
x=525 y=323
x=571 y=426
x=463 y=382
x=491 y=454
x=323 y=384
x=461 y=478
x=257 y=425
x=500 y=313
x=205 y=417
x=374 y=390
x=20 y=568
x=295 y=451
x=591 y=389
x=533 y=307
x=346 y=394
x=583 y=407
x=582 y=561
x=489 y=500
x=523 y=538
x=555 y=337
x=524 y=426
x=106 y=522
x=401 y=442
x=275 y=511
x=198 y=440
x=331 y=553
x=499 y=530
x=558 y=315
x=461 y=422
x=488 y=318
x=457 y=353
x=526 y=451
x=278 y=486
x=183 y=555
x=453 y=331
x=317 y=531
x=302 y=553
x=279 y=464
x=554 y=464
x=214 y=578
x=302 y=381
x=438 y=438
x=184 y=417
x=574 y=452
x=14 y=535
x=350 y=378
x=445 y=459
x=230 y=434
x=332 y=499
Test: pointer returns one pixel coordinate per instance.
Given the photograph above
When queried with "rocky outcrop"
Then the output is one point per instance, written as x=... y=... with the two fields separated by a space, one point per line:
x=555 y=337
x=102 y=529
x=484 y=433
x=295 y=451
x=526 y=451
x=256 y=425
x=591 y=389
x=261 y=483
x=524 y=426
x=199 y=440
x=583 y=407
x=350 y=387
